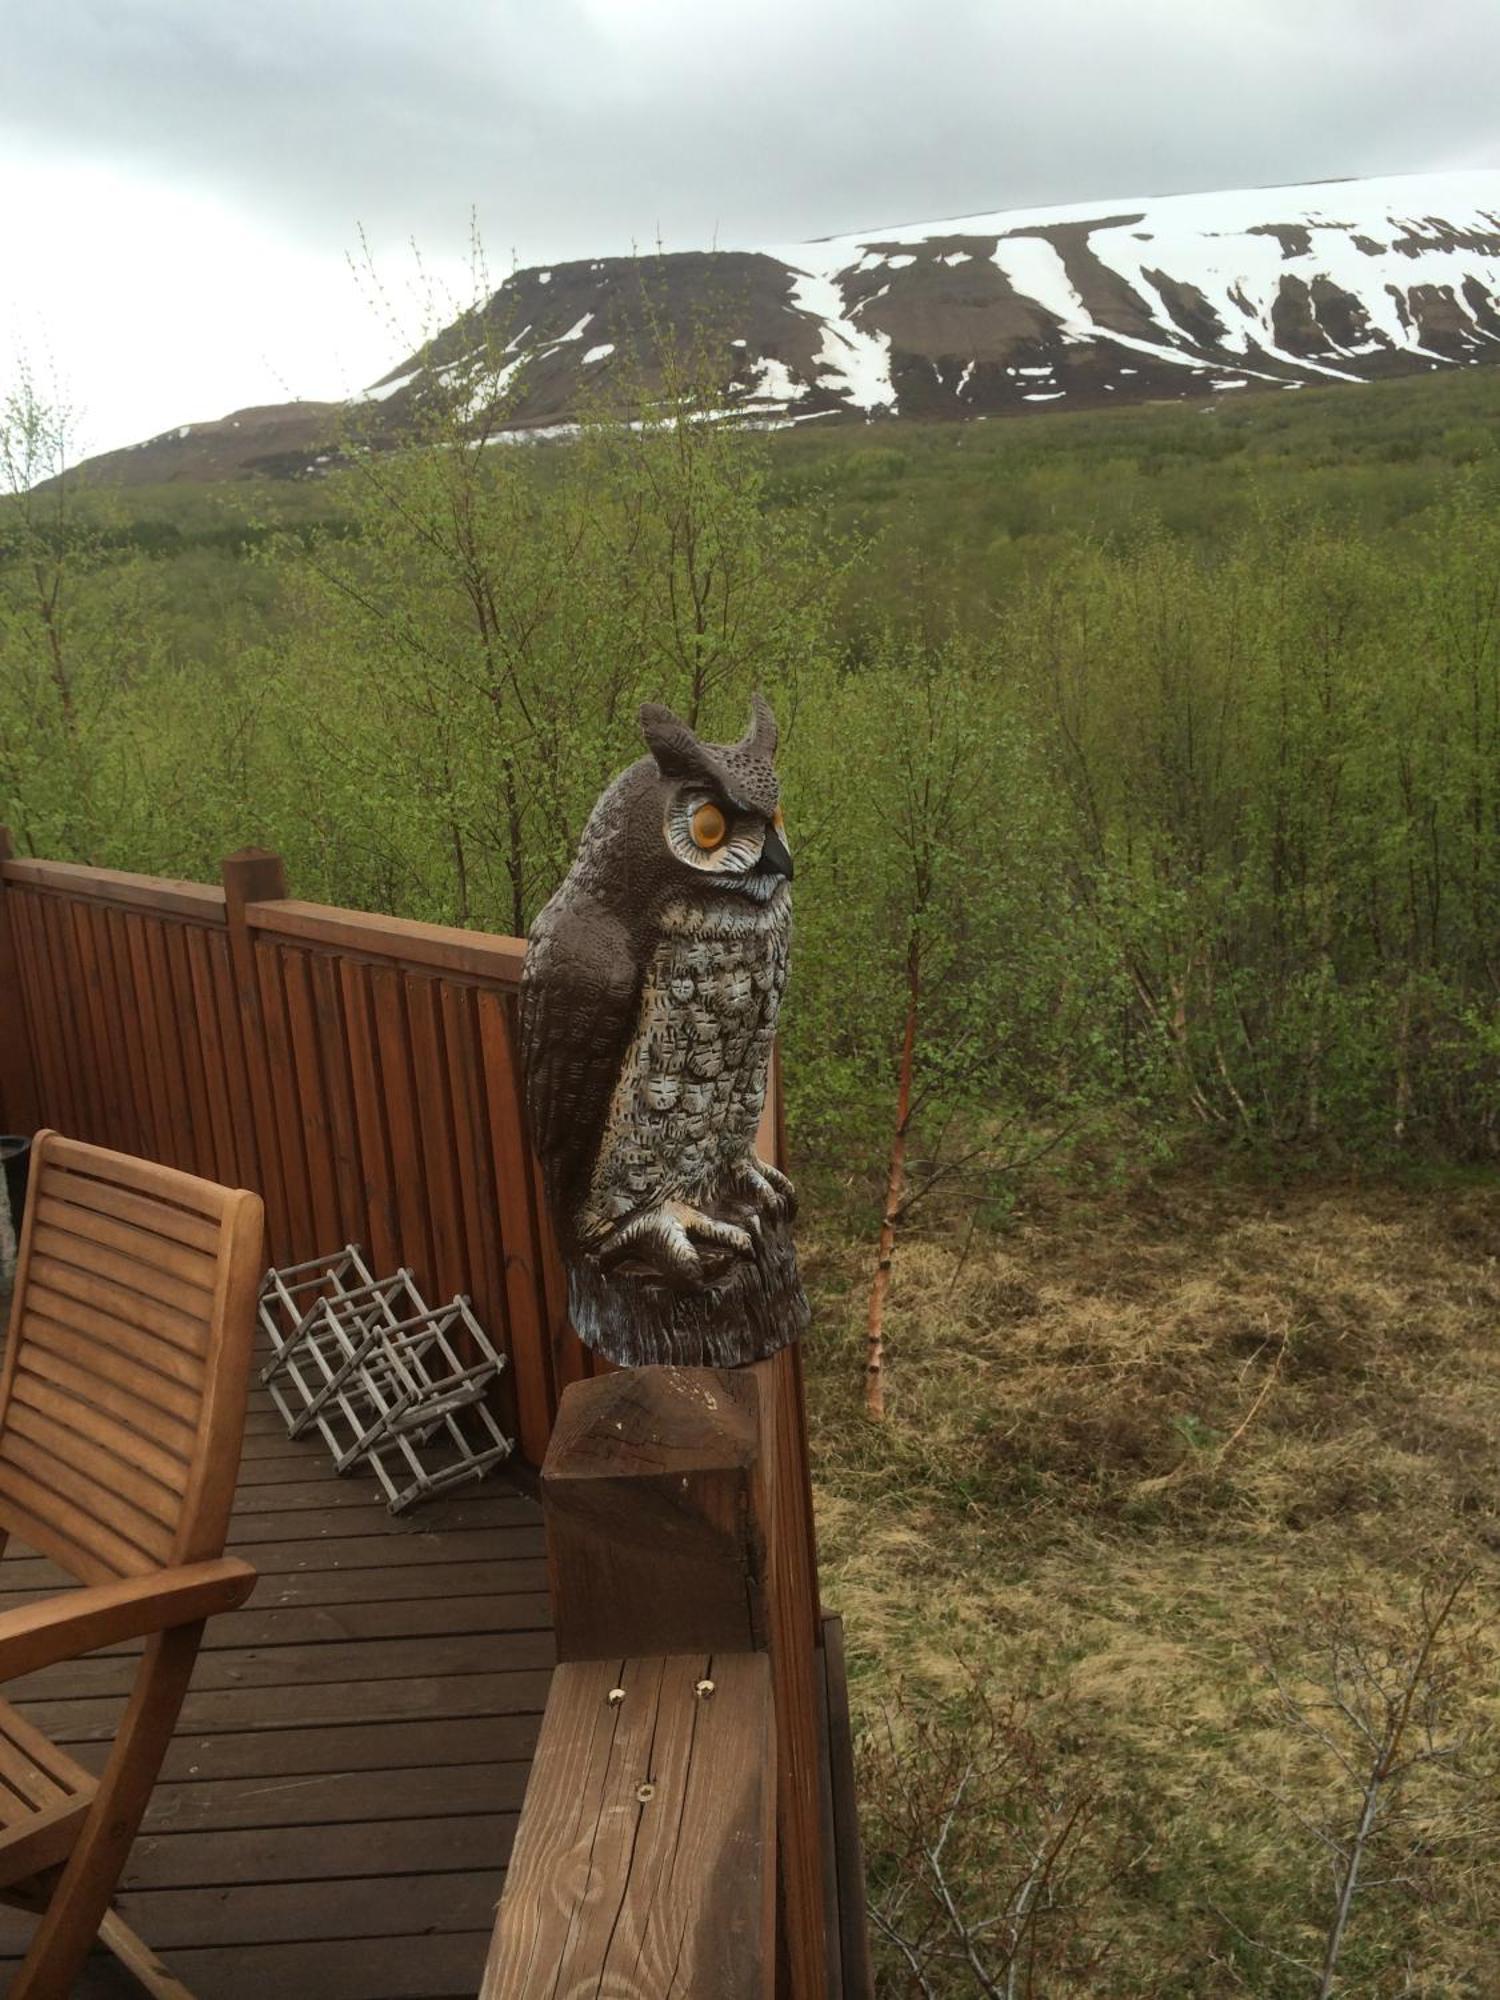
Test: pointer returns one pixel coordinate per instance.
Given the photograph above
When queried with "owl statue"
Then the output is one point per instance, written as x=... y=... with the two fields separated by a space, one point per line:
x=648 y=1008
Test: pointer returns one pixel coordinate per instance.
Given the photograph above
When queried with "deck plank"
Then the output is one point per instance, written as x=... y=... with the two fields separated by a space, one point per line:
x=336 y=1811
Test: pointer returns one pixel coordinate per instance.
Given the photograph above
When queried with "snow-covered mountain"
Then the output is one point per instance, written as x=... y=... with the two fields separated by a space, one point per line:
x=1027 y=309
x=1024 y=310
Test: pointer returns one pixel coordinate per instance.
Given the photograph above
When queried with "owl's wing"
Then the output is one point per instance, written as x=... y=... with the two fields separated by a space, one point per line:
x=580 y=995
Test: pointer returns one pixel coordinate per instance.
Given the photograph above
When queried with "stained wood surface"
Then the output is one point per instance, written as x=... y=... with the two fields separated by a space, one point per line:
x=677 y=1503
x=853 y=1974
x=18 y=1092
x=335 y=1812
x=654 y=1540
x=785 y=1503
x=473 y=952
x=200 y=900
x=645 y=1868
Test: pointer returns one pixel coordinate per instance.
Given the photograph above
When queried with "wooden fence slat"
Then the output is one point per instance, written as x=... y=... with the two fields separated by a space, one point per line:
x=312 y=1101
x=124 y=1025
x=77 y=1087
x=90 y=1000
x=147 y=1028
x=379 y=1234
x=120 y=1040
x=333 y=1047
x=393 y=1038
x=252 y=874
x=184 y=1018
x=36 y=994
x=571 y=1360
x=535 y=1397
x=222 y=1150
x=301 y=1238
x=486 y=1283
x=233 y=1037
x=174 y=1055
x=18 y=1083
x=450 y=1263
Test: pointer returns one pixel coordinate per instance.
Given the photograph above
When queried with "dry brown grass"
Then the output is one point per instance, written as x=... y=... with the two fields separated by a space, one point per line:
x=1133 y=1443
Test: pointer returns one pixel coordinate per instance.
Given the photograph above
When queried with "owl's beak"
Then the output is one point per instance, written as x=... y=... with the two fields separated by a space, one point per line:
x=774 y=855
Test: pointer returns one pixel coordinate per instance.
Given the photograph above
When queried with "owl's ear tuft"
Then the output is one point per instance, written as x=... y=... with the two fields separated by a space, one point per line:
x=761 y=737
x=676 y=749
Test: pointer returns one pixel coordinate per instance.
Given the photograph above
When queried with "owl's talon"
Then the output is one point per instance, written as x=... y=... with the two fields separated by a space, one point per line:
x=668 y=1240
x=767 y=1187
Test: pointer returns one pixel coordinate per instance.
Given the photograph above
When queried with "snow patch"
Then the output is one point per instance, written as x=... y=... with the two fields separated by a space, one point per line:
x=485 y=386
x=775 y=383
x=1035 y=268
x=575 y=331
x=601 y=353
x=849 y=362
x=383 y=389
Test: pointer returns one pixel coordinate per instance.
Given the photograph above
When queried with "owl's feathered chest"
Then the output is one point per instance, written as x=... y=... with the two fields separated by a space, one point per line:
x=693 y=1080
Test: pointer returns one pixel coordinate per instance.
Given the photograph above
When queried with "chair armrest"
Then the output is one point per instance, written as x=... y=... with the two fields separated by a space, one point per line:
x=106 y=1614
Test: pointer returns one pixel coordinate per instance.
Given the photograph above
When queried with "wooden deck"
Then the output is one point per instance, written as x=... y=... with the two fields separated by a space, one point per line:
x=337 y=1808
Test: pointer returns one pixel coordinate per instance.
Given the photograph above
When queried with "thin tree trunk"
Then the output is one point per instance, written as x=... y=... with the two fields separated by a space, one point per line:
x=515 y=860
x=1403 y=1061
x=1347 y=1887
x=895 y=1188
x=460 y=872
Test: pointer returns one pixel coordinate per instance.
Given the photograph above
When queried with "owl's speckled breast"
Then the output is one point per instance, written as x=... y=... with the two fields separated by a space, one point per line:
x=693 y=1082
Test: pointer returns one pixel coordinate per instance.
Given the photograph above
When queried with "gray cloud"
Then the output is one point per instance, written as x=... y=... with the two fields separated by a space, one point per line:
x=581 y=126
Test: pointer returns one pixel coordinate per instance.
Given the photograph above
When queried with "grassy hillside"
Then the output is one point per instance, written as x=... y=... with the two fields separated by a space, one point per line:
x=973 y=501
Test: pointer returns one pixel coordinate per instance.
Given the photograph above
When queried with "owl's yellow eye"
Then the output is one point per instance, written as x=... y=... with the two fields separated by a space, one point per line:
x=709 y=827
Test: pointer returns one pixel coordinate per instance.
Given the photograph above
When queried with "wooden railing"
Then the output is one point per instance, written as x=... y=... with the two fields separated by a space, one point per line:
x=359 y=1071
x=674 y=1838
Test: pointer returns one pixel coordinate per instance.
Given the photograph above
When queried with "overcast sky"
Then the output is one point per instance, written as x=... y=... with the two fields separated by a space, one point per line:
x=182 y=181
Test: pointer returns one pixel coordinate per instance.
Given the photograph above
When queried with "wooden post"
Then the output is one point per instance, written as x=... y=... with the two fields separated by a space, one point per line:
x=19 y=1101
x=654 y=1539
x=675 y=1523
x=255 y=875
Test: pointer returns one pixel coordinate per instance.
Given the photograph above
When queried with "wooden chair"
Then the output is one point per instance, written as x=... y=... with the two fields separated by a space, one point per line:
x=122 y=1406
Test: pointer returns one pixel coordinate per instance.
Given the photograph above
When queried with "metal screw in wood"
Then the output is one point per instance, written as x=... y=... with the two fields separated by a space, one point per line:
x=703 y=1689
x=616 y=1696
x=645 y=1793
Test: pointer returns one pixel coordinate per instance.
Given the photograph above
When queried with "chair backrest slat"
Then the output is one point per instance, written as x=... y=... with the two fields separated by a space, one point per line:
x=122 y=1395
